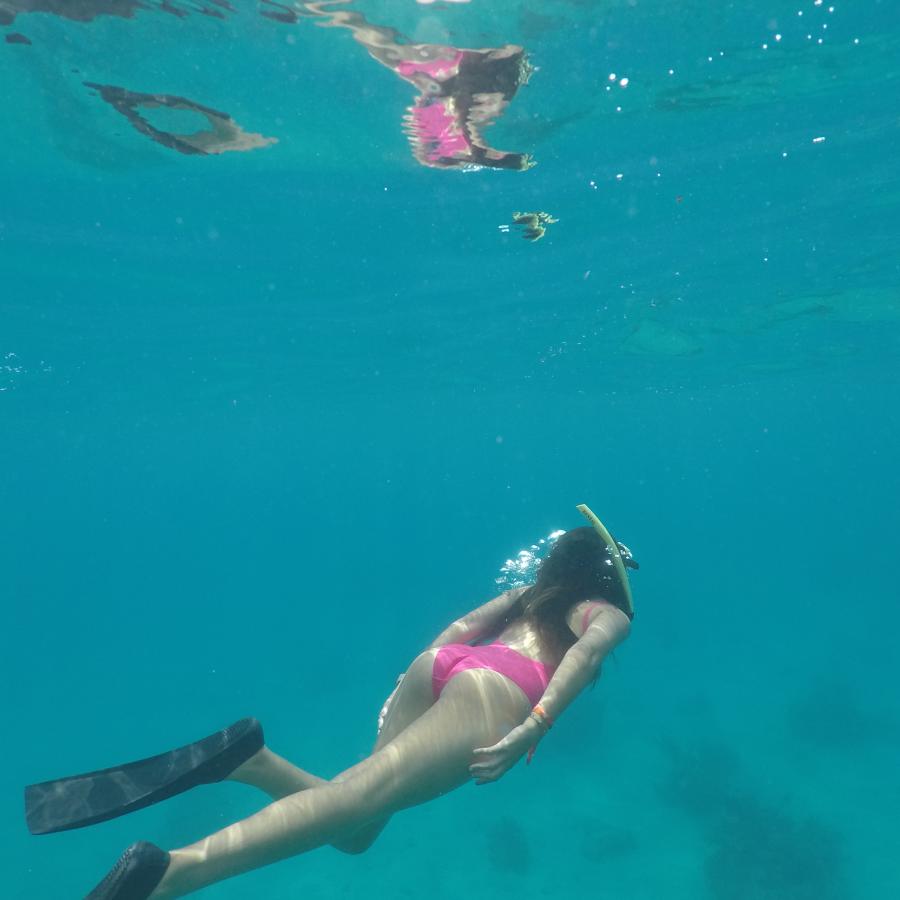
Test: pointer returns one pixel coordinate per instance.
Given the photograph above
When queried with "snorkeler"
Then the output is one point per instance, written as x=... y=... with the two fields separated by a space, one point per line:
x=477 y=700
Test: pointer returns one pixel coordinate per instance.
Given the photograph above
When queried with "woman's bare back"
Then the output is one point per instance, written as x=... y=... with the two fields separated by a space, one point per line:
x=522 y=636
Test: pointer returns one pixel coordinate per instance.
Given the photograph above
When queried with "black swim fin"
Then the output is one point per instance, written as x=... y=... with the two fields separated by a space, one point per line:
x=81 y=800
x=134 y=876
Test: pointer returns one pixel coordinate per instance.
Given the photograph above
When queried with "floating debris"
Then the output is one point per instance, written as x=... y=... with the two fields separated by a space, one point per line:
x=534 y=224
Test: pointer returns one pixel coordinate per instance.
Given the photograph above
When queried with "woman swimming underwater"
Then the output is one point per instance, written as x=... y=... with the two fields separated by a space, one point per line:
x=465 y=709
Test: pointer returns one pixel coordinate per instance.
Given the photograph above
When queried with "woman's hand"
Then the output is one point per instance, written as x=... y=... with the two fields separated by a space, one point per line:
x=492 y=763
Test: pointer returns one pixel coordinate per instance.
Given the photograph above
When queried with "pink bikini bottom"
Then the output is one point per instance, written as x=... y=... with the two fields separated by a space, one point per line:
x=529 y=674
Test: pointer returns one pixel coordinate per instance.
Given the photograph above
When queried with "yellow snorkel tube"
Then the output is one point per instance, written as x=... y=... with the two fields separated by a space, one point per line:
x=614 y=552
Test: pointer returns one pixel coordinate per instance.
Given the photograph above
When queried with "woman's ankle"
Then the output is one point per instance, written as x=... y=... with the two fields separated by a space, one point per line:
x=249 y=770
x=275 y=775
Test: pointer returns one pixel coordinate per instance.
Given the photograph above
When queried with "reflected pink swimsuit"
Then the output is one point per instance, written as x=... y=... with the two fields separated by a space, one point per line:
x=433 y=121
x=529 y=674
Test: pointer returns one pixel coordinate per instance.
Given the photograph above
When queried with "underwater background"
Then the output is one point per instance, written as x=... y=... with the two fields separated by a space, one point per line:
x=282 y=387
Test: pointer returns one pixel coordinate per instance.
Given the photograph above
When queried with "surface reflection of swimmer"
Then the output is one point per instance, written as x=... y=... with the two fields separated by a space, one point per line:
x=477 y=700
x=461 y=91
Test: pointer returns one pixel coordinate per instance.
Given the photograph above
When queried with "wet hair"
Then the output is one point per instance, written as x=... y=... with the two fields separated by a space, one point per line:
x=578 y=567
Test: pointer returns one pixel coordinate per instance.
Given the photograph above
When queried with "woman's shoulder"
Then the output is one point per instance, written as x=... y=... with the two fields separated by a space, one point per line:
x=581 y=614
x=512 y=597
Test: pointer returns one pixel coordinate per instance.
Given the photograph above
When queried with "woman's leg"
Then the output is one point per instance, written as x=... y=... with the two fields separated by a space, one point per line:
x=279 y=778
x=429 y=757
x=414 y=697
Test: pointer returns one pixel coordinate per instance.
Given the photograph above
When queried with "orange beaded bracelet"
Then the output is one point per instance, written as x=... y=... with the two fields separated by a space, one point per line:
x=540 y=715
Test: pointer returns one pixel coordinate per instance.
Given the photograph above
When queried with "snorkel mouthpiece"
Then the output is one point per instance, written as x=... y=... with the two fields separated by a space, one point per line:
x=618 y=560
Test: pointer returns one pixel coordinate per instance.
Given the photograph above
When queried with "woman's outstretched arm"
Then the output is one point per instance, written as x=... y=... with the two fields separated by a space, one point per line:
x=482 y=621
x=608 y=627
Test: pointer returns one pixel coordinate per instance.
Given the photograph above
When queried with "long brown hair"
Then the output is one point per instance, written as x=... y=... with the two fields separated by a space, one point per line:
x=578 y=567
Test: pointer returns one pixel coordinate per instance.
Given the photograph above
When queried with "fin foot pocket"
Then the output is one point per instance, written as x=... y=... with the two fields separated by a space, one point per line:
x=134 y=876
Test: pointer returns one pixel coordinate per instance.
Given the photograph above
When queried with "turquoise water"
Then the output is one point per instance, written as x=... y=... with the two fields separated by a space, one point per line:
x=271 y=419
